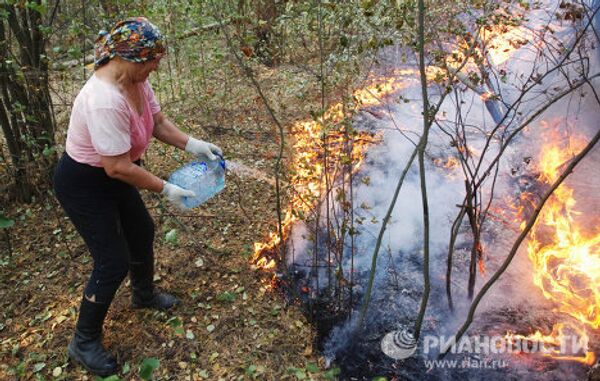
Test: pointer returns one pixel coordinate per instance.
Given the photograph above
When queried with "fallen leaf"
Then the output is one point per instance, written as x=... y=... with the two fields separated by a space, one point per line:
x=56 y=371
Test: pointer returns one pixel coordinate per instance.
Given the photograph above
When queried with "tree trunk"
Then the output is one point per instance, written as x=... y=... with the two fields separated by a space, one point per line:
x=26 y=108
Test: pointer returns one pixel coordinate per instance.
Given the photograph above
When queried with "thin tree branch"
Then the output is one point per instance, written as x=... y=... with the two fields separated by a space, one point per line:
x=278 y=163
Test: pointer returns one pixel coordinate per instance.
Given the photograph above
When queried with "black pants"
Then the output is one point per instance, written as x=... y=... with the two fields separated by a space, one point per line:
x=114 y=223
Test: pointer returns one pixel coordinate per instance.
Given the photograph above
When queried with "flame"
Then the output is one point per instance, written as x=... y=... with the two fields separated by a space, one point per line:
x=450 y=163
x=567 y=268
x=501 y=41
x=311 y=139
x=565 y=259
x=558 y=342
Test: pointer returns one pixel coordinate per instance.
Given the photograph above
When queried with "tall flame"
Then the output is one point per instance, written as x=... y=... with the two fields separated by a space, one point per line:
x=564 y=255
x=567 y=269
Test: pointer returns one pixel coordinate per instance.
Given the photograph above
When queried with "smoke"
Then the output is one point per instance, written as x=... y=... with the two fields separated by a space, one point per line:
x=398 y=281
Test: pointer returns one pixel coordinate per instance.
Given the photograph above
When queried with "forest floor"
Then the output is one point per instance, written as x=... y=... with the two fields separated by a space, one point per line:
x=230 y=326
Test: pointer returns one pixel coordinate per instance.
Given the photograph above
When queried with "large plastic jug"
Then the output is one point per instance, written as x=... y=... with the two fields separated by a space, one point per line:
x=204 y=178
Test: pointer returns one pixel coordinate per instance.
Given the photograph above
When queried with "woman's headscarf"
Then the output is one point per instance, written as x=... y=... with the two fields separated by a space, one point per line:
x=134 y=39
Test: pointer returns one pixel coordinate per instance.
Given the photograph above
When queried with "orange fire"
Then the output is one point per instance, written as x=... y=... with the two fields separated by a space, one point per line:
x=311 y=139
x=565 y=259
x=560 y=339
x=502 y=40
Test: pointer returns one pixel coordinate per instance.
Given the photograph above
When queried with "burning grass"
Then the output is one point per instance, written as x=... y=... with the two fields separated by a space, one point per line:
x=565 y=255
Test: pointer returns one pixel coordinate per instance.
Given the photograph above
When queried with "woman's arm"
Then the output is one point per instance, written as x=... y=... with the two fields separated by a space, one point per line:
x=121 y=168
x=167 y=132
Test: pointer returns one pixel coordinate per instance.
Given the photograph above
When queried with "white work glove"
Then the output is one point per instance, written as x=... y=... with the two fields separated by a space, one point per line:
x=175 y=194
x=202 y=148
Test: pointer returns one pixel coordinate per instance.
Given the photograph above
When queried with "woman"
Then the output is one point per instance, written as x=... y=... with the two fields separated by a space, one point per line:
x=114 y=117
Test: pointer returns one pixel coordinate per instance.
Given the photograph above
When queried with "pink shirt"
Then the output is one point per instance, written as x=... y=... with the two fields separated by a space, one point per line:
x=104 y=124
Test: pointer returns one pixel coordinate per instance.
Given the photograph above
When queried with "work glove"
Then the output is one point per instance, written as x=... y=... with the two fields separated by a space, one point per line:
x=202 y=148
x=175 y=194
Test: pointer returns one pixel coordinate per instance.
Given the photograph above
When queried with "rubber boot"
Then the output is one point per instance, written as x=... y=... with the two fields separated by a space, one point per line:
x=86 y=346
x=143 y=294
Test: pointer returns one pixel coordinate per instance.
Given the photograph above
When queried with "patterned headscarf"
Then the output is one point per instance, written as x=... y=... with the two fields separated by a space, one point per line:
x=134 y=39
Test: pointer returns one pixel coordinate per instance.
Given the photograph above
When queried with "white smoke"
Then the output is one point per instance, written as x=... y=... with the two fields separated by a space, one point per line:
x=403 y=239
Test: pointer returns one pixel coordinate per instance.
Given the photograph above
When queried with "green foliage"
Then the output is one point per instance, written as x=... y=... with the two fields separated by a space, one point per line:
x=39 y=8
x=226 y=297
x=311 y=367
x=255 y=372
x=148 y=366
x=332 y=374
x=5 y=222
x=299 y=373
x=171 y=237
x=177 y=325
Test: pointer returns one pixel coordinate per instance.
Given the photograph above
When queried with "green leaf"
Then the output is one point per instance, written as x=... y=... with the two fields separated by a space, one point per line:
x=149 y=365
x=48 y=151
x=20 y=368
x=312 y=367
x=39 y=8
x=174 y=322
x=171 y=236
x=203 y=373
x=226 y=297
x=379 y=378
x=250 y=370
x=126 y=367
x=38 y=366
x=344 y=41
x=5 y=223
x=297 y=372
x=331 y=374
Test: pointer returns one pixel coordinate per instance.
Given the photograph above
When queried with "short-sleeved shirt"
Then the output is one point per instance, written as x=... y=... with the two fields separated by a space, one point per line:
x=103 y=123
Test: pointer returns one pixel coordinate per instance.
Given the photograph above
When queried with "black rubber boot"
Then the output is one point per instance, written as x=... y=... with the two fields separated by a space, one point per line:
x=154 y=300
x=143 y=292
x=86 y=346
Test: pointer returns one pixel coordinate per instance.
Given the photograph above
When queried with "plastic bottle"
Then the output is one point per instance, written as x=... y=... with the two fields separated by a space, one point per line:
x=205 y=178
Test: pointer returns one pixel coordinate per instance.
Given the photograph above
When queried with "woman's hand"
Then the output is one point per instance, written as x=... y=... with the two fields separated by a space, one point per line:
x=175 y=194
x=202 y=148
